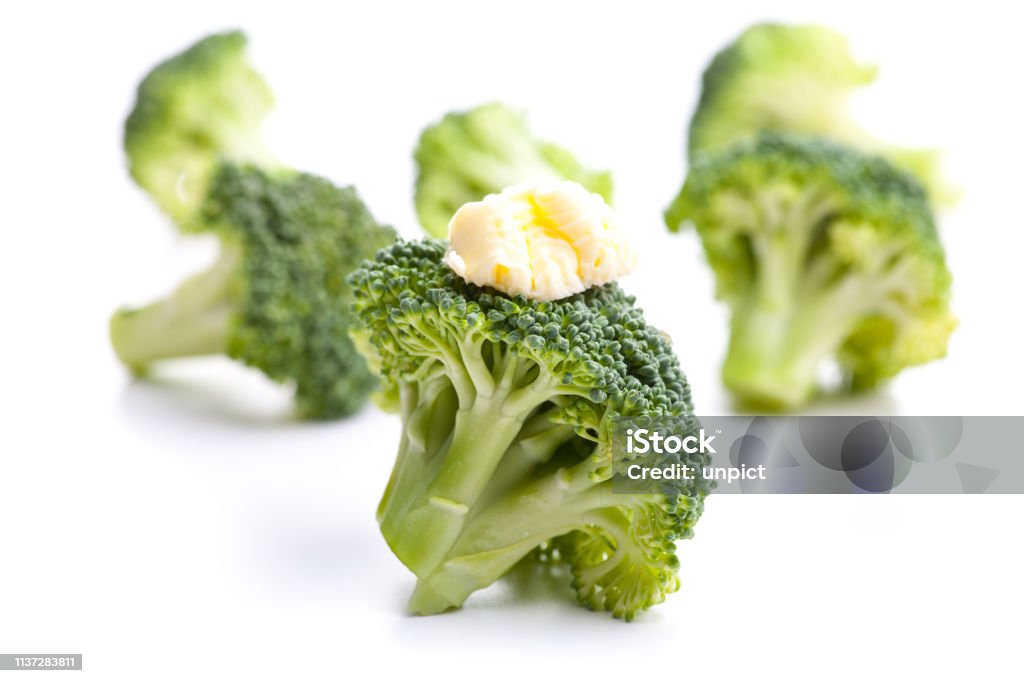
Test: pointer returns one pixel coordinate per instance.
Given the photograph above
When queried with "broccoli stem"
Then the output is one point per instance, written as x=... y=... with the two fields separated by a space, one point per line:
x=768 y=363
x=477 y=417
x=777 y=348
x=498 y=420
x=422 y=533
x=427 y=411
x=803 y=305
x=193 y=321
x=506 y=531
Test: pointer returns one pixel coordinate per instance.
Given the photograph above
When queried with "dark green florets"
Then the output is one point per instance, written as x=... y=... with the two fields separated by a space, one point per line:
x=509 y=407
x=299 y=235
x=277 y=299
x=596 y=342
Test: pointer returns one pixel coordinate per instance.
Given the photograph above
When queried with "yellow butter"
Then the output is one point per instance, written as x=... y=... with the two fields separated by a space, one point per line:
x=544 y=241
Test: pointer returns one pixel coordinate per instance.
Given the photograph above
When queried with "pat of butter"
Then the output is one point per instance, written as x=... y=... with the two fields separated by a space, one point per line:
x=545 y=241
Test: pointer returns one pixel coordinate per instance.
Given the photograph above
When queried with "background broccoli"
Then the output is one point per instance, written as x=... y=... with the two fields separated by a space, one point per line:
x=507 y=406
x=781 y=78
x=277 y=299
x=191 y=111
x=820 y=251
x=467 y=155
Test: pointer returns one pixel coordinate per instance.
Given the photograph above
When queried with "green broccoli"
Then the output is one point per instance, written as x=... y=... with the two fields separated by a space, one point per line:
x=277 y=299
x=507 y=407
x=797 y=79
x=197 y=108
x=820 y=251
x=467 y=155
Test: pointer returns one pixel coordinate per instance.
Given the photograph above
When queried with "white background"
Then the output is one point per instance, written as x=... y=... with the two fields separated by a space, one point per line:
x=188 y=530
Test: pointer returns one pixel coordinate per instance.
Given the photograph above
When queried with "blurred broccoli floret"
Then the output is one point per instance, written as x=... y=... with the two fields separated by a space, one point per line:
x=193 y=110
x=277 y=299
x=821 y=252
x=508 y=407
x=782 y=78
x=467 y=155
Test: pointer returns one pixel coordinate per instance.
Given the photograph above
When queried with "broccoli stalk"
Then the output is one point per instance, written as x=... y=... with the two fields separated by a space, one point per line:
x=487 y=421
x=507 y=406
x=194 y=321
x=467 y=155
x=821 y=252
x=779 y=340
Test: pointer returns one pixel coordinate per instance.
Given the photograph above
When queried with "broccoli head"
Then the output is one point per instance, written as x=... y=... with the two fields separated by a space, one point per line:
x=468 y=155
x=507 y=406
x=821 y=252
x=782 y=78
x=199 y=107
x=277 y=298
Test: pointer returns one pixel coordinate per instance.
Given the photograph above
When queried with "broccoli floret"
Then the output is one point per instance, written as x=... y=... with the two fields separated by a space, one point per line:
x=797 y=79
x=199 y=107
x=277 y=298
x=507 y=405
x=467 y=155
x=820 y=251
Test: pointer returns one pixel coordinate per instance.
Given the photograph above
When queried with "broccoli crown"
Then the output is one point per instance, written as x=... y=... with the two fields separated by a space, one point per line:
x=468 y=155
x=201 y=106
x=508 y=405
x=821 y=251
x=278 y=299
x=776 y=77
x=300 y=236
x=796 y=79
